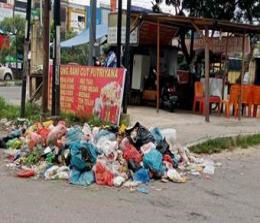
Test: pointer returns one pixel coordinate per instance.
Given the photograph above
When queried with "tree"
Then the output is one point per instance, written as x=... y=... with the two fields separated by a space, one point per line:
x=14 y=26
x=232 y=10
x=78 y=54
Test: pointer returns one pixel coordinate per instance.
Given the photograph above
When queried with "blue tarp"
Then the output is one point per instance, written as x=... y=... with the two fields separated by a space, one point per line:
x=83 y=37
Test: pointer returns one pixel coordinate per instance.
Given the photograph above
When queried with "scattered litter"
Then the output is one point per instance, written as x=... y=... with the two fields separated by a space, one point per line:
x=209 y=168
x=143 y=190
x=107 y=155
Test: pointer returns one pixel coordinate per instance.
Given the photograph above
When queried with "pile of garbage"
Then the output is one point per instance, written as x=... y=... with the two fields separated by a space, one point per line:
x=108 y=155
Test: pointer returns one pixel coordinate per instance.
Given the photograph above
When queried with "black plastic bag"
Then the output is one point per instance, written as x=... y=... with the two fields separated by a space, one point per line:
x=139 y=135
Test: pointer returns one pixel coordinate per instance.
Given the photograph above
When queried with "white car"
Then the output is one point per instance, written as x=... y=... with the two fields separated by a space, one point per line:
x=6 y=73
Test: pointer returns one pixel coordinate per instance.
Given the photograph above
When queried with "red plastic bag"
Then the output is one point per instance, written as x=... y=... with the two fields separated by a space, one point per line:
x=25 y=173
x=167 y=158
x=103 y=175
x=42 y=131
x=131 y=153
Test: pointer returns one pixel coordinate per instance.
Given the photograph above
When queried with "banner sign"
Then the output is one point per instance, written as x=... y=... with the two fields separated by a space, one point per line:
x=218 y=45
x=88 y=91
x=112 y=30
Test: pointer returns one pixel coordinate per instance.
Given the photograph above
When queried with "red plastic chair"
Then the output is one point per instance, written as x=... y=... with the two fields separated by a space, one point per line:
x=232 y=101
x=247 y=97
x=198 y=95
x=256 y=99
x=200 y=98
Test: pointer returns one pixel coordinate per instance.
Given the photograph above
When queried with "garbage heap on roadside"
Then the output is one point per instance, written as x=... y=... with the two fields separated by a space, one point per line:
x=109 y=155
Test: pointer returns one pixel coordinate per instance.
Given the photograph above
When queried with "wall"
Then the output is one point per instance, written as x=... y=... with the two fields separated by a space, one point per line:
x=6 y=10
x=76 y=18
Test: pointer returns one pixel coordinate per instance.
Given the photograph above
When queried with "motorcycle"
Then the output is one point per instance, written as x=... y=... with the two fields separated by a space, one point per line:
x=169 y=99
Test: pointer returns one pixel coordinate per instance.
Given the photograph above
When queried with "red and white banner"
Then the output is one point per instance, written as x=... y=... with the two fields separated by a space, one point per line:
x=88 y=91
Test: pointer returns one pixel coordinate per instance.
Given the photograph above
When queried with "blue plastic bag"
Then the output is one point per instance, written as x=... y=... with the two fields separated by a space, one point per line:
x=157 y=135
x=153 y=161
x=74 y=134
x=142 y=175
x=81 y=178
x=78 y=160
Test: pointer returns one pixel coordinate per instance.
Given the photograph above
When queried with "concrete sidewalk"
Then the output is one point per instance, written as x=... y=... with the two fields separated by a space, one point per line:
x=192 y=128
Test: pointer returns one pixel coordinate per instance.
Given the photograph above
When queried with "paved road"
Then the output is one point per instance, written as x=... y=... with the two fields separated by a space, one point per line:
x=11 y=94
x=232 y=195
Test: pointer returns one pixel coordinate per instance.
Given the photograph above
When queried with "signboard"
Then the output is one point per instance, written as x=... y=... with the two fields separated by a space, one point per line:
x=88 y=91
x=112 y=30
x=20 y=7
x=218 y=45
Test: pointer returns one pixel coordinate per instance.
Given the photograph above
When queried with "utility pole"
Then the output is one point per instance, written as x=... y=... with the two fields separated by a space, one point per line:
x=92 y=32
x=56 y=62
x=119 y=31
x=25 y=56
x=127 y=55
x=46 y=33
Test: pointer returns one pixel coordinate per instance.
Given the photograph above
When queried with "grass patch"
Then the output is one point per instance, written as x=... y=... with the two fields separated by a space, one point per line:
x=12 y=112
x=33 y=113
x=227 y=143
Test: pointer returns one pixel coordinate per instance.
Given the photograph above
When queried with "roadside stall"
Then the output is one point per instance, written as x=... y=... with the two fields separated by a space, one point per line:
x=163 y=25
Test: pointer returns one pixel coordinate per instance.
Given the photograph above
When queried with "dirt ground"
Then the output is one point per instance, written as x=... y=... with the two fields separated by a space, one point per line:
x=231 y=195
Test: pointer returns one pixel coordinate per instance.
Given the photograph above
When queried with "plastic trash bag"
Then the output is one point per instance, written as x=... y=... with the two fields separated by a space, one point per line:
x=56 y=133
x=56 y=172
x=142 y=175
x=156 y=132
x=33 y=139
x=209 y=167
x=14 y=143
x=153 y=161
x=102 y=175
x=118 y=181
x=104 y=134
x=106 y=146
x=83 y=155
x=25 y=173
x=74 y=134
x=13 y=135
x=85 y=178
x=139 y=135
x=174 y=176
x=87 y=132
x=42 y=131
x=131 y=153
x=50 y=172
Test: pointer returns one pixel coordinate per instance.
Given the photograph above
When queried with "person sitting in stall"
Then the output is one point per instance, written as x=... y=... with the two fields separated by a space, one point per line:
x=110 y=58
x=150 y=82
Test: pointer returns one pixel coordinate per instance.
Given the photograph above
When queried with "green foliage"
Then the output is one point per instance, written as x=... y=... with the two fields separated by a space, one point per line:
x=78 y=54
x=33 y=157
x=13 y=112
x=220 y=144
x=8 y=111
x=16 y=26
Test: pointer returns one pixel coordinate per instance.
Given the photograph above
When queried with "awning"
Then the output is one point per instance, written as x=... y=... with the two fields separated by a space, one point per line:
x=83 y=37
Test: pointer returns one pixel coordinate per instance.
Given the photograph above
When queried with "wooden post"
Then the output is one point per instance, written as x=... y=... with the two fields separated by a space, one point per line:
x=46 y=43
x=92 y=32
x=158 y=67
x=119 y=33
x=206 y=106
x=226 y=67
x=25 y=56
x=241 y=77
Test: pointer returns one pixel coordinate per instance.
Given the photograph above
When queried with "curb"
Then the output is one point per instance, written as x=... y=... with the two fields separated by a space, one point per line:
x=205 y=139
x=10 y=83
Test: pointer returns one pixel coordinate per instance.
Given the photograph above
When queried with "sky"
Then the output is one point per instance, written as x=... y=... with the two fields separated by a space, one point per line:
x=140 y=3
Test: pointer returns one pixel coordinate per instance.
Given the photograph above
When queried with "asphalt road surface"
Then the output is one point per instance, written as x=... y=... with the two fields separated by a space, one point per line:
x=231 y=195
x=11 y=94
